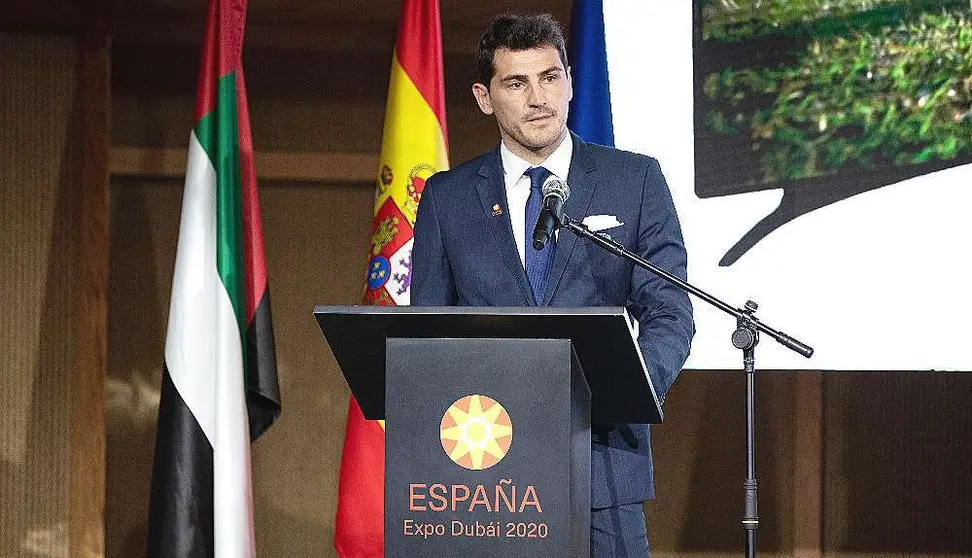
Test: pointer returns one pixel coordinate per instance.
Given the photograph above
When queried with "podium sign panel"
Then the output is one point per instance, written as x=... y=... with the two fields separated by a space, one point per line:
x=487 y=448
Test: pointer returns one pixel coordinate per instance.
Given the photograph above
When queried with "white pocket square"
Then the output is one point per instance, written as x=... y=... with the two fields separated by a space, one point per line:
x=598 y=223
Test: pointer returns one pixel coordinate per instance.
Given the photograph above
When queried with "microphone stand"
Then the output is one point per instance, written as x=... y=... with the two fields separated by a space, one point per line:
x=744 y=338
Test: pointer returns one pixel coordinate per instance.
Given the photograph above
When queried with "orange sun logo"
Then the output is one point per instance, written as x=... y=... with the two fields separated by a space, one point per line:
x=476 y=432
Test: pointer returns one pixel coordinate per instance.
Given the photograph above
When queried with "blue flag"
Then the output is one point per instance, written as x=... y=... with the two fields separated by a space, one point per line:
x=590 y=109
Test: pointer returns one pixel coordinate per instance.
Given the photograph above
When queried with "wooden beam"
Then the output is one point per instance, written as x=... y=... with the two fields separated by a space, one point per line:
x=307 y=36
x=308 y=166
x=47 y=17
x=185 y=31
x=808 y=466
x=90 y=141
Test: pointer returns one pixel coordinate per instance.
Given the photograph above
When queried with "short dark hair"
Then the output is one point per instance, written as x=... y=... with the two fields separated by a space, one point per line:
x=518 y=32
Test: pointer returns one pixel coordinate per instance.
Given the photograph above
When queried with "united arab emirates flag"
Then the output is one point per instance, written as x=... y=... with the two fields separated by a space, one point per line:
x=219 y=386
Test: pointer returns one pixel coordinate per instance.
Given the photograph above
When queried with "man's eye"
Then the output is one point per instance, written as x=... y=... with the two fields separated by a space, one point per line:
x=549 y=79
x=516 y=84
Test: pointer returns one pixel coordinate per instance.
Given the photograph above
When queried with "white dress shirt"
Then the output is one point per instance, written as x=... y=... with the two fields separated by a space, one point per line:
x=518 y=185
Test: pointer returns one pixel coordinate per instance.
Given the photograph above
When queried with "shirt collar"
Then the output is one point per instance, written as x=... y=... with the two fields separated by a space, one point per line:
x=557 y=162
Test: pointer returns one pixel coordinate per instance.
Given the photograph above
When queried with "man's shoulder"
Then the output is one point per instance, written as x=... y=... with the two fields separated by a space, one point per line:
x=461 y=174
x=613 y=156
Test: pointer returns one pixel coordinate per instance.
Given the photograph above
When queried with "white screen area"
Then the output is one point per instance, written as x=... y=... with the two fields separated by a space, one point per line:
x=877 y=281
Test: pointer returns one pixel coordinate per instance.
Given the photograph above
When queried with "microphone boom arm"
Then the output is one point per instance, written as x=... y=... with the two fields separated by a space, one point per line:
x=611 y=245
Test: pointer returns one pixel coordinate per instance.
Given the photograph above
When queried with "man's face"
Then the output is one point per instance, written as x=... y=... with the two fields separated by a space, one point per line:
x=529 y=94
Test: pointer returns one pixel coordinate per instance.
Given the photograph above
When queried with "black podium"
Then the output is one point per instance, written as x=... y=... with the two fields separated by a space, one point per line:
x=488 y=414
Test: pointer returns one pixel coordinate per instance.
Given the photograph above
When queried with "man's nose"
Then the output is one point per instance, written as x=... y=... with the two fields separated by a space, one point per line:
x=537 y=96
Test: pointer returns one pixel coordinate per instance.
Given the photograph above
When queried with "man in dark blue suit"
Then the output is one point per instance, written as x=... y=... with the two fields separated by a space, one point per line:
x=474 y=227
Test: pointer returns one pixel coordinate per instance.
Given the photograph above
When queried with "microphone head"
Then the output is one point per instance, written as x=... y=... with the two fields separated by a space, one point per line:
x=557 y=188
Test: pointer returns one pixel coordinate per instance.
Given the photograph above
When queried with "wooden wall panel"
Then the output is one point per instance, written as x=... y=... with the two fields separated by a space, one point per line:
x=700 y=465
x=319 y=258
x=144 y=226
x=89 y=136
x=897 y=468
x=299 y=102
x=807 y=492
x=39 y=222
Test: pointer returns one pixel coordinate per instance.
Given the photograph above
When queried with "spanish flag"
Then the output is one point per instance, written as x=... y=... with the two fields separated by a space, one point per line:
x=413 y=148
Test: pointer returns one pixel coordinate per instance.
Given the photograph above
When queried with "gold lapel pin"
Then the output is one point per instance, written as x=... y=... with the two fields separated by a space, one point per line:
x=497 y=210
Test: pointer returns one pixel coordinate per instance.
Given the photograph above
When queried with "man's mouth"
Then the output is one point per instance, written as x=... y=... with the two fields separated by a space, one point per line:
x=539 y=117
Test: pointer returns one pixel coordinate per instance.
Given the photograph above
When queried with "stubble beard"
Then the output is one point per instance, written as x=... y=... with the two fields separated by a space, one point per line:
x=538 y=140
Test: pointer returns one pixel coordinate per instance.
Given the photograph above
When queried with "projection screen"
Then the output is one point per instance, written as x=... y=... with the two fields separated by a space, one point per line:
x=819 y=161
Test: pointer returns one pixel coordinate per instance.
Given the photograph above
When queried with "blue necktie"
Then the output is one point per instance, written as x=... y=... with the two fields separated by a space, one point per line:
x=537 y=263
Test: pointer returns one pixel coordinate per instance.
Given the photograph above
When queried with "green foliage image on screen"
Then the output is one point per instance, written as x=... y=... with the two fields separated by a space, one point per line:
x=828 y=98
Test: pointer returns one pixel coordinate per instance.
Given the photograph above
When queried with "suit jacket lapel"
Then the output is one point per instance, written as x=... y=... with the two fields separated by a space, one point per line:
x=492 y=191
x=581 y=180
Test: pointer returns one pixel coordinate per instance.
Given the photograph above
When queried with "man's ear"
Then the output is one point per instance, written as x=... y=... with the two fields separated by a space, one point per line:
x=481 y=93
x=570 y=86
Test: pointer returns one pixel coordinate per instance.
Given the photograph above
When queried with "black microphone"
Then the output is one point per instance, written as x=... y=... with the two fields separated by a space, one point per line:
x=555 y=194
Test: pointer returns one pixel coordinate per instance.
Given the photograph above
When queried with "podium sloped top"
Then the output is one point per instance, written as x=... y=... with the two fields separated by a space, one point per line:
x=621 y=389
